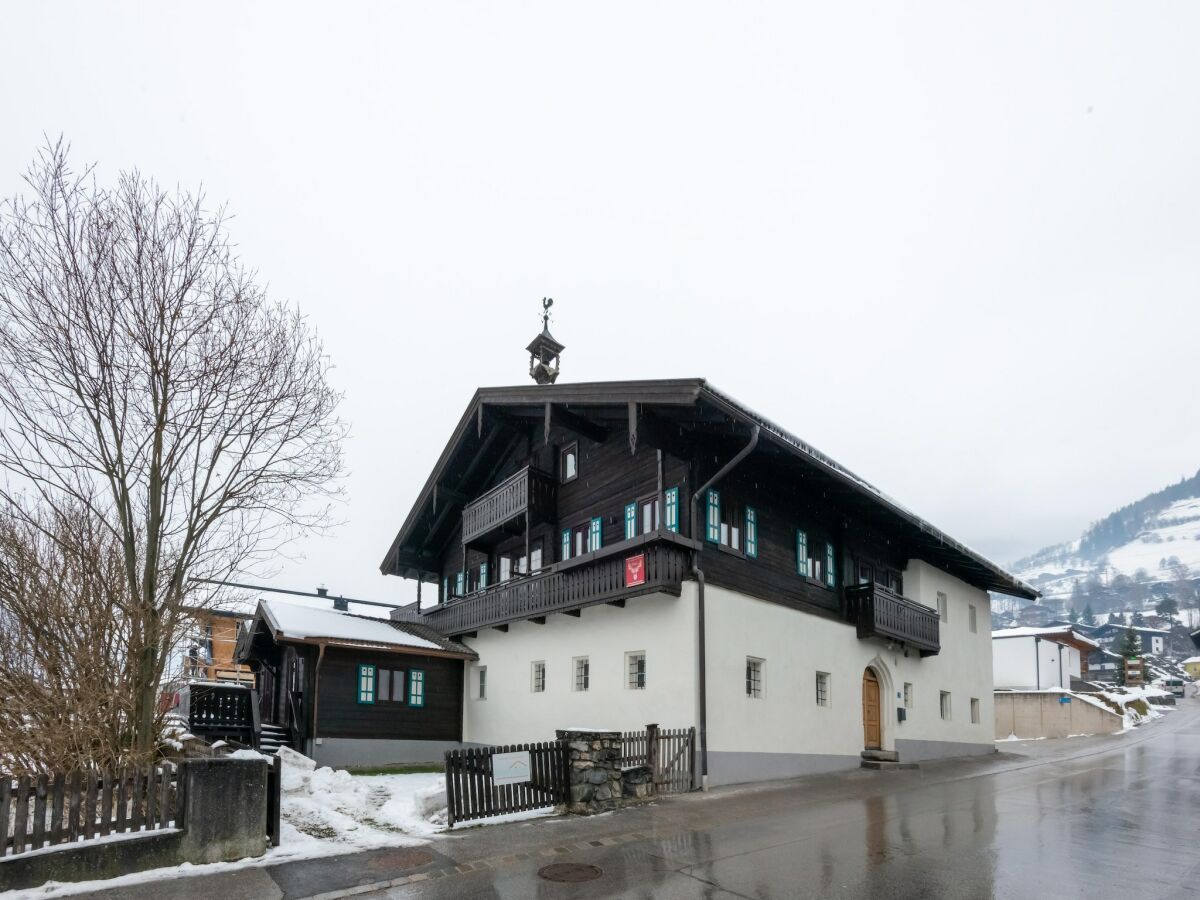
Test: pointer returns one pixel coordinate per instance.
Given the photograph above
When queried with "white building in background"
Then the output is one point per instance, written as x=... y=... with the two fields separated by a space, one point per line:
x=1039 y=658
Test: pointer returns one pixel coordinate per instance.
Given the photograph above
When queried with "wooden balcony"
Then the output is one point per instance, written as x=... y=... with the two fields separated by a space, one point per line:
x=879 y=612
x=527 y=492
x=593 y=578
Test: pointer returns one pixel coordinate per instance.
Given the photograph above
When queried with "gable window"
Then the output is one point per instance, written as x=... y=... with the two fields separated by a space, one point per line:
x=908 y=695
x=569 y=463
x=751 y=532
x=416 y=687
x=754 y=677
x=945 y=705
x=366 y=684
x=712 y=517
x=538 y=677
x=971 y=618
x=943 y=607
x=974 y=710
x=671 y=499
x=635 y=666
x=482 y=683
x=582 y=673
x=822 y=689
x=802 y=564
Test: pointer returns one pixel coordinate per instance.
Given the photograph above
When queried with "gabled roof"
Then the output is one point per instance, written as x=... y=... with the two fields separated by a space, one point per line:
x=691 y=404
x=293 y=623
x=1065 y=633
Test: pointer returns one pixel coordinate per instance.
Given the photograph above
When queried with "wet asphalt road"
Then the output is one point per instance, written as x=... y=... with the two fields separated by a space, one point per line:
x=1121 y=822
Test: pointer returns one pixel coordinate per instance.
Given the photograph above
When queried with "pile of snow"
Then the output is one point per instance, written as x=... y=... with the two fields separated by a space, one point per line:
x=1123 y=698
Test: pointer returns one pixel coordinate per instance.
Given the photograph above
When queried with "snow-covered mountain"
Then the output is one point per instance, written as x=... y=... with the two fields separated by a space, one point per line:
x=1154 y=540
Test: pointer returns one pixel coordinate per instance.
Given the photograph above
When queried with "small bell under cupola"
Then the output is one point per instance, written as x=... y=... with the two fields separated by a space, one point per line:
x=544 y=350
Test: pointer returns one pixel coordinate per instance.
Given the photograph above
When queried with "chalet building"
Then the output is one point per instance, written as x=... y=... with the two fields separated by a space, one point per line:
x=630 y=552
x=1040 y=658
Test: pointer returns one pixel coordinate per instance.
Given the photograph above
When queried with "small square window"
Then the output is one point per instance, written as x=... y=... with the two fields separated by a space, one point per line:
x=482 y=683
x=569 y=463
x=908 y=695
x=974 y=710
x=754 y=677
x=583 y=671
x=943 y=607
x=538 y=677
x=971 y=618
x=635 y=667
x=945 y=705
x=822 y=689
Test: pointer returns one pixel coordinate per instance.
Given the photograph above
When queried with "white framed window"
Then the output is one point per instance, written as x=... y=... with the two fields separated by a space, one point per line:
x=583 y=673
x=635 y=669
x=971 y=618
x=481 y=683
x=754 y=677
x=908 y=695
x=822 y=689
x=943 y=603
x=537 y=676
x=568 y=469
x=974 y=710
x=945 y=705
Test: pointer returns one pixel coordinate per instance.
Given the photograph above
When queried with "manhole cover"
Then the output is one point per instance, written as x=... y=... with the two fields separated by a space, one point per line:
x=569 y=872
x=390 y=860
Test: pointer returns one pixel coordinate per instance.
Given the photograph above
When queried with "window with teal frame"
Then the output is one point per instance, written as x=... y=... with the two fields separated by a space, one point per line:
x=445 y=589
x=751 y=532
x=672 y=516
x=802 y=567
x=482 y=576
x=595 y=534
x=458 y=583
x=566 y=543
x=712 y=517
x=630 y=520
x=366 y=684
x=416 y=687
x=830 y=569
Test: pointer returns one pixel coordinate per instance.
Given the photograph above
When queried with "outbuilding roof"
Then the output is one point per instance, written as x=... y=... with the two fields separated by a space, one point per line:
x=1053 y=632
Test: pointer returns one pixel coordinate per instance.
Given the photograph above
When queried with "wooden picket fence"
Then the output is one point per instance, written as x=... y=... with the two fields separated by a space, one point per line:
x=48 y=810
x=669 y=752
x=472 y=794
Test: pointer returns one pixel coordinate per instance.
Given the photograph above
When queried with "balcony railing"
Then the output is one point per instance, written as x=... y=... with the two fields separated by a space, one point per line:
x=527 y=491
x=879 y=612
x=593 y=578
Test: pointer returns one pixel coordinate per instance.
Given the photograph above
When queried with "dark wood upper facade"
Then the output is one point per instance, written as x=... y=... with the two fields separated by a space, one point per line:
x=555 y=487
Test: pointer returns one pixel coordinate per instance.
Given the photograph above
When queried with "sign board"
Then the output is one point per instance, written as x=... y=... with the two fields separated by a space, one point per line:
x=511 y=768
x=1064 y=699
x=635 y=570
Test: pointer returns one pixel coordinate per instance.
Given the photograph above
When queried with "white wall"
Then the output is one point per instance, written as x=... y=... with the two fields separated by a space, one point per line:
x=1029 y=663
x=661 y=625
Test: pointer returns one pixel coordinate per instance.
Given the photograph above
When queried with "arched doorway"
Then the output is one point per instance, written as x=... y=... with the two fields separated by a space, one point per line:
x=872 y=730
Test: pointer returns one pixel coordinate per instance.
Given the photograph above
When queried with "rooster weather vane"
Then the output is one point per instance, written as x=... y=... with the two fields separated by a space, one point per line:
x=544 y=350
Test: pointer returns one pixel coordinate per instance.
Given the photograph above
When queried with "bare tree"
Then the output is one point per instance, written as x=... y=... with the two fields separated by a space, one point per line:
x=147 y=379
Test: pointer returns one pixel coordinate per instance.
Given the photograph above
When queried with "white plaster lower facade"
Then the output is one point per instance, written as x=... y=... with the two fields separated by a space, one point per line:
x=1033 y=663
x=783 y=732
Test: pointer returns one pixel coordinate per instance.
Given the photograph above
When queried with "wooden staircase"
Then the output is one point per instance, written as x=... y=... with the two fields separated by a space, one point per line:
x=271 y=738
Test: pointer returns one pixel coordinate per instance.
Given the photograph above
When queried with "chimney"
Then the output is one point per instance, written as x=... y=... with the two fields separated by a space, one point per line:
x=341 y=604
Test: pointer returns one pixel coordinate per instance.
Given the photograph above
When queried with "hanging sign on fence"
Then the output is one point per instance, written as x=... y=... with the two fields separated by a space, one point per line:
x=635 y=570
x=511 y=768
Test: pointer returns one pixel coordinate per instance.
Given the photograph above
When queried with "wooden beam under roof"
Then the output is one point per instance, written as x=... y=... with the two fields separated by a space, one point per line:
x=556 y=414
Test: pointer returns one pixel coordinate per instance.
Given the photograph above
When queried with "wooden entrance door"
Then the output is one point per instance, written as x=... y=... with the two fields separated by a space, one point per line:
x=870 y=704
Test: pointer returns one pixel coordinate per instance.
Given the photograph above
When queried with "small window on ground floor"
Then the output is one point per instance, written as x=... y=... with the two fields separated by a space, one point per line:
x=945 y=705
x=538 y=677
x=583 y=671
x=482 y=683
x=822 y=689
x=908 y=695
x=974 y=710
x=754 y=677
x=635 y=667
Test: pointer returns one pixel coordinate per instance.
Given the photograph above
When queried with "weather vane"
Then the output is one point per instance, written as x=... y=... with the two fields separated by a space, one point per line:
x=547 y=302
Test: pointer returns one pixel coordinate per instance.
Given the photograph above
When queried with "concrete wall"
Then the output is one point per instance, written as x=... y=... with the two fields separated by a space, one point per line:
x=1028 y=714
x=1032 y=663
x=374 y=752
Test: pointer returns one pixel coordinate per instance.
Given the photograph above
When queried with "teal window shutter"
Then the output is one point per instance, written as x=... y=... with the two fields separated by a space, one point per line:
x=672 y=516
x=801 y=553
x=712 y=530
x=366 y=684
x=630 y=520
x=595 y=533
x=458 y=583
x=566 y=543
x=416 y=687
x=751 y=532
x=482 y=575
x=445 y=589
x=830 y=569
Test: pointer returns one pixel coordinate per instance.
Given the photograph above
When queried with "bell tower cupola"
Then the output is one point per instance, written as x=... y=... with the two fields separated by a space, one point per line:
x=544 y=350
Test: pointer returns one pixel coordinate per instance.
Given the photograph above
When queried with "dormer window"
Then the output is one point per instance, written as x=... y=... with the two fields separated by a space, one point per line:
x=568 y=468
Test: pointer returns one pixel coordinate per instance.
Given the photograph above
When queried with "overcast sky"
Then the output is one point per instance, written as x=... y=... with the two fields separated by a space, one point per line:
x=955 y=249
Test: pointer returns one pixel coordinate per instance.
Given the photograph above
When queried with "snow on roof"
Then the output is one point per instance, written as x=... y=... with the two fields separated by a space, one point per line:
x=1190 y=659
x=1049 y=632
x=301 y=623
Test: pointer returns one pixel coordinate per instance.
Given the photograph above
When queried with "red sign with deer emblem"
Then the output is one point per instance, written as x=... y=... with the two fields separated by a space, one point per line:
x=635 y=570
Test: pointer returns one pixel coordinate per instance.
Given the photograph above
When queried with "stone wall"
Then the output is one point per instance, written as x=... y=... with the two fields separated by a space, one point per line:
x=594 y=774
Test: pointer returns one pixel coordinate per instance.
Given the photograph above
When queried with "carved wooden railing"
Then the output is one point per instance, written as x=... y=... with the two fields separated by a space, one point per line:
x=592 y=578
x=527 y=489
x=879 y=612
